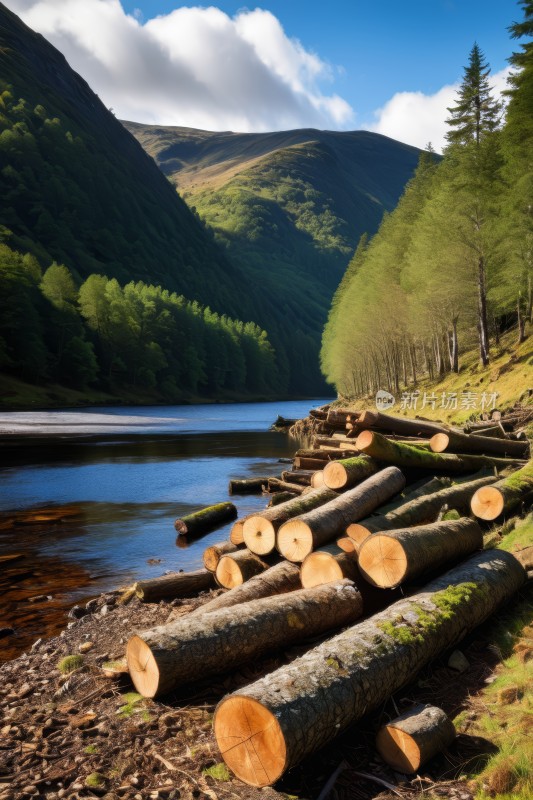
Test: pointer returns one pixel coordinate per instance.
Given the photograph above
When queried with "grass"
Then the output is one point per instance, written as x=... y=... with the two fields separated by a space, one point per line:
x=219 y=772
x=133 y=704
x=70 y=663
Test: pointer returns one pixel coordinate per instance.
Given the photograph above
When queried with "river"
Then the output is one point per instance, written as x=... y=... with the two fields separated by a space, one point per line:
x=123 y=476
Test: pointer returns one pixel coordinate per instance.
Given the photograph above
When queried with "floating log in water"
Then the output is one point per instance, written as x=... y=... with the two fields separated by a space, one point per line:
x=214 y=553
x=279 y=579
x=205 y=520
x=343 y=474
x=269 y=726
x=260 y=529
x=300 y=536
x=170 y=587
x=247 y=485
x=489 y=502
x=234 y=569
x=164 y=658
x=466 y=443
x=389 y=559
x=410 y=740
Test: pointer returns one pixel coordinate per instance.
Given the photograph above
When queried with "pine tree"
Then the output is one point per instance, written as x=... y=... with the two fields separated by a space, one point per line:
x=476 y=112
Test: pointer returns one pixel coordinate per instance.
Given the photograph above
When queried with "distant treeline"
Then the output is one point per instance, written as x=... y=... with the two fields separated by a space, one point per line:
x=110 y=336
x=452 y=266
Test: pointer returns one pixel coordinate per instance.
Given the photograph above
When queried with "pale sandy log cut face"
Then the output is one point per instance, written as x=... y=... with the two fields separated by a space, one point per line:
x=319 y=568
x=250 y=740
x=382 y=561
x=399 y=749
x=295 y=540
x=228 y=573
x=487 y=503
x=259 y=535
x=142 y=667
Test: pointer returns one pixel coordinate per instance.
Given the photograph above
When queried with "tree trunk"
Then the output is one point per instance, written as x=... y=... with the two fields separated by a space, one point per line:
x=493 y=432
x=279 y=579
x=239 y=567
x=269 y=726
x=529 y=310
x=247 y=485
x=177 y=584
x=302 y=476
x=400 y=425
x=404 y=455
x=260 y=529
x=213 y=554
x=347 y=472
x=420 y=510
x=277 y=485
x=321 y=567
x=301 y=463
x=205 y=520
x=489 y=502
x=411 y=493
x=162 y=659
x=390 y=559
x=455 y=346
x=328 y=442
x=412 y=353
x=413 y=738
x=300 y=536
x=469 y=443
x=281 y=497
x=521 y=320
x=483 y=327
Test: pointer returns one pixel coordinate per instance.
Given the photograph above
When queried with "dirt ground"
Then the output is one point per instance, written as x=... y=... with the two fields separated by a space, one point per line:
x=83 y=735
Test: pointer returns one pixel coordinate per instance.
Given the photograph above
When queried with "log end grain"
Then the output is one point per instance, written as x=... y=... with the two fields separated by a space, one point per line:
x=236 y=534
x=259 y=535
x=409 y=741
x=295 y=540
x=487 y=503
x=439 y=443
x=250 y=740
x=228 y=573
x=364 y=440
x=383 y=561
x=318 y=479
x=142 y=667
x=357 y=533
x=347 y=545
x=335 y=476
x=319 y=568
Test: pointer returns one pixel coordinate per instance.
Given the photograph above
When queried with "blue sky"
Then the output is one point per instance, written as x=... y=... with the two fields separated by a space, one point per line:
x=385 y=65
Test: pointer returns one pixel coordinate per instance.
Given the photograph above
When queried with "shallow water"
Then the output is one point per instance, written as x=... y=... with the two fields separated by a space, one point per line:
x=128 y=476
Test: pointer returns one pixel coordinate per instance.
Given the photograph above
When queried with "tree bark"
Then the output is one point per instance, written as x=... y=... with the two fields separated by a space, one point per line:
x=205 y=520
x=247 y=485
x=420 y=510
x=404 y=455
x=281 y=497
x=483 y=326
x=411 y=493
x=413 y=738
x=260 y=529
x=490 y=502
x=300 y=536
x=400 y=425
x=163 y=658
x=302 y=476
x=213 y=554
x=390 y=559
x=521 y=320
x=301 y=463
x=277 y=485
x=454 y=442
x=342 y=474
x=177 y=584
x=279 y=579
x=237 y=568
x=269 y=726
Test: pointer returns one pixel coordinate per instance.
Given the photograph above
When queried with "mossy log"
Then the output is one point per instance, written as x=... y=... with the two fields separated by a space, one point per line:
x=177 y=584
x=214 y=553
x=239 y=567
x=247 y=485
x=390 y=559
x=401 y=426
x=279 y=579
x=300 y=476
x=420 y=489
x=490 y=502
x=270 y=725
x=163 y=658
x=419 y=510
x=413 y=738
x=280 y=497
x=405 y=455
x=260 y=529
x=342 y=474
x=467 y=443
x=323 y=567
x=300 y=536
x=277 y=485
x=205 y=520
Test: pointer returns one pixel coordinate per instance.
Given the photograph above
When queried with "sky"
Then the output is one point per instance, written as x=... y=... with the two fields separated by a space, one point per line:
x=391 y=66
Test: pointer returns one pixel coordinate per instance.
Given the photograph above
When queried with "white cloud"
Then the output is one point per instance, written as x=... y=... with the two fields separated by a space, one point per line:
x=194 y=67
x=417 y=118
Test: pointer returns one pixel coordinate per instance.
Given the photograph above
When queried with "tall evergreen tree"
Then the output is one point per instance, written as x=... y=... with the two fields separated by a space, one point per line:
x=476 y=112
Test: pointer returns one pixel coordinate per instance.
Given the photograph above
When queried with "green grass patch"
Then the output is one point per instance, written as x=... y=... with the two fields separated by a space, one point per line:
x=70 y=663
x=133 y=704
x=520 y=537
x=219 y=772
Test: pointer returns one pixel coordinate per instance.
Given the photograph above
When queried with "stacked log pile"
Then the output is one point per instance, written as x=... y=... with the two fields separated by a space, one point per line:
x=385 y=490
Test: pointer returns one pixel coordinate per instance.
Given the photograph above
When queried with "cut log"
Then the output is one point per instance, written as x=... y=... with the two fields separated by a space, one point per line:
x=177 y=584
x=413 y=738
x=260 y=529
x=422 y=509
x=340 y=416
x=343 y=474
x=317 y=481
x=489 y=502
x=277 y=485
x=279 y=579
x=402 y=426
x=247 y=485
x=270 y=725
x=312 y=464
x=390 y=559
x=466 y=443
x=213 y=554
x=300 y=536
x=205 y=520
x=280 y=497
x=404 y=455
x=236 y=536
x=164 y=658
x=329 y=443
x=318 y=413
x=300 y=476
x=347 y=545
x=420 y=489
x=237 y=568
x=496 y=432
x=321 y=567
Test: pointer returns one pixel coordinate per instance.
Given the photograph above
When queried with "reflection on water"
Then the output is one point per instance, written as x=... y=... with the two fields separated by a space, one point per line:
x=127 y=489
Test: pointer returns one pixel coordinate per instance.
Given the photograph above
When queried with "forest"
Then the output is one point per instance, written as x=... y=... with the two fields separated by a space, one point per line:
x=451 y=267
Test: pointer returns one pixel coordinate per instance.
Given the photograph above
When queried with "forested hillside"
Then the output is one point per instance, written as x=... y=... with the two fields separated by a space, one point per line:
x=451 y=268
